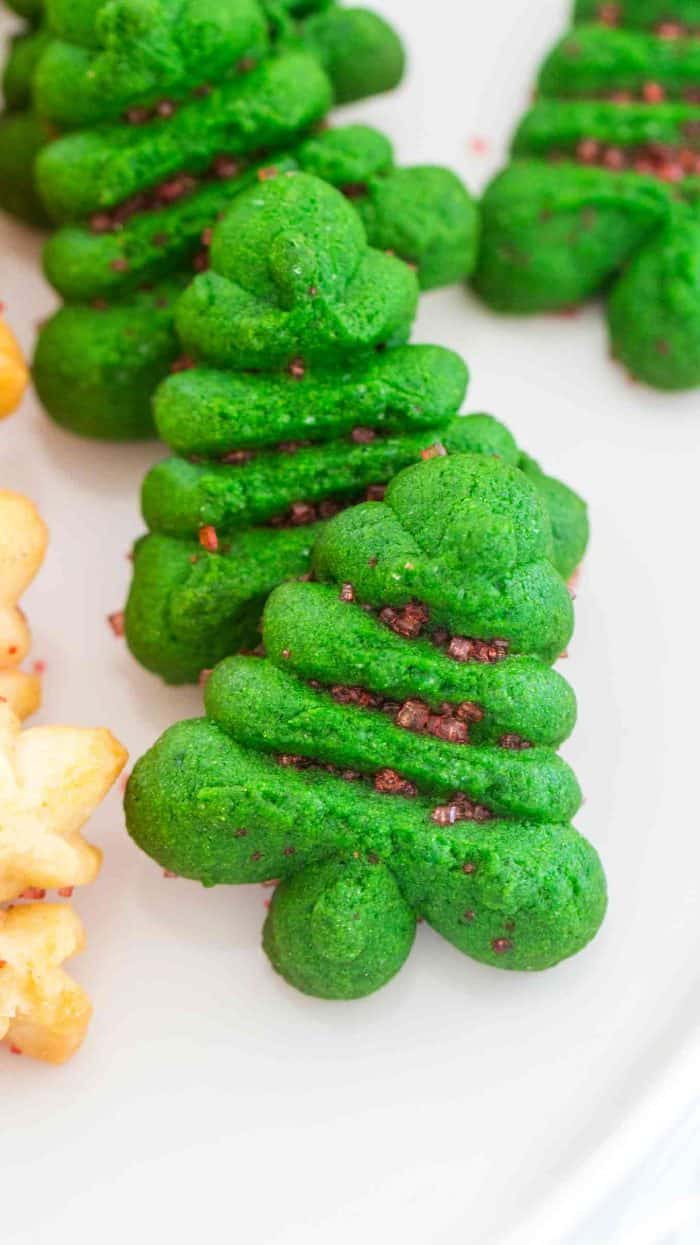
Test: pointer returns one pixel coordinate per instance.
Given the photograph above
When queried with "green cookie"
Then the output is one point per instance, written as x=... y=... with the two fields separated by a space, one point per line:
x=603 y=191
x=393 y=755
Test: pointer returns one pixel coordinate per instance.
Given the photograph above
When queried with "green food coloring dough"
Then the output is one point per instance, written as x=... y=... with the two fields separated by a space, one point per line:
x=307 y=770
x=602 y=192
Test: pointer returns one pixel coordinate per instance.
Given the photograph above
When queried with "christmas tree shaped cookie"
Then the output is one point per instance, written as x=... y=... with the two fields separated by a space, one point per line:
x=394 y=754
x=168 y=114
x=604 y=189
x=304 y=397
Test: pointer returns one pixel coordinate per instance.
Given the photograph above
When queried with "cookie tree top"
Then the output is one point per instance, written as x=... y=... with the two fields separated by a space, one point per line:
x=293 y=290
x=393 y=756
x=605 y=185
x=292 y=278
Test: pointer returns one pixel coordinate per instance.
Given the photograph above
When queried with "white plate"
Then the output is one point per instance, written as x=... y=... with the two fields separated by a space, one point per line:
x=212 y=1100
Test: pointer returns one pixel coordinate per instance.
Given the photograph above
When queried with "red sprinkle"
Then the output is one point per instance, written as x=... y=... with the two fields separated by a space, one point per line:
x=363 y=436
x=116 y=622
x=235 y=458
x=434 y=451
x=587 y=150
x=501 y=945
x=609 y=14
x=446 y=815
x=413 y=715
x=669 y=30
x=614 y=158
x=469 y=711
x=171 y=191
x=297 y=369
x=208 y=538
x=375 y=492
x=449 y=729
x=390 y=782
x=15 y=1050
x=101 y=222
x=302 y=513
x=65 y=891
x=226 y=167
x=513 y=742
x=138 y=116
x=33 y=892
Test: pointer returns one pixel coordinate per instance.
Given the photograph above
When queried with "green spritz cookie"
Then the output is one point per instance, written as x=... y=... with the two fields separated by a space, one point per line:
x=393 y=756
x=603 y=193
x=297 y=397
x=168 y=114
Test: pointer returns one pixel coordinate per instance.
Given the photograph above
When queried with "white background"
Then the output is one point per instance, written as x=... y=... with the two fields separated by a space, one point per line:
x=211 y=1100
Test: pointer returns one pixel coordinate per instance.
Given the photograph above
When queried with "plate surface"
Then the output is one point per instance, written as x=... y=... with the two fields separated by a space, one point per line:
x=460 y=1099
